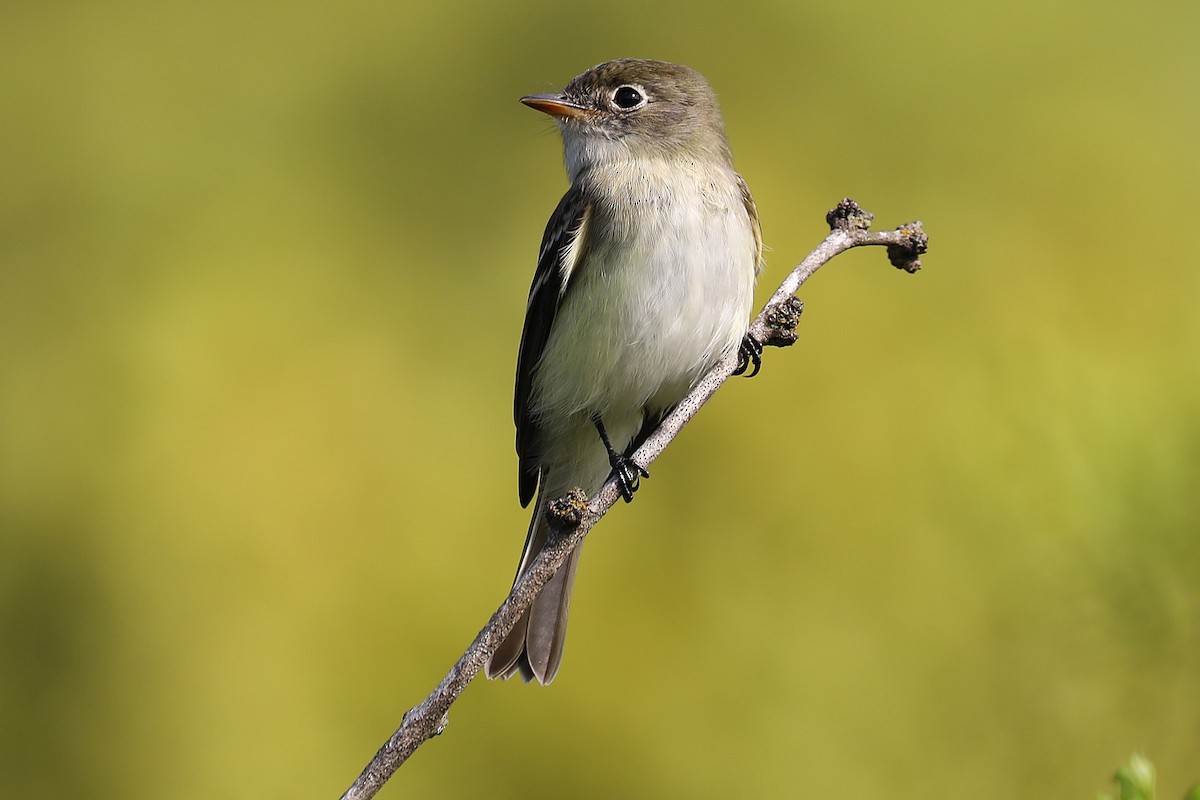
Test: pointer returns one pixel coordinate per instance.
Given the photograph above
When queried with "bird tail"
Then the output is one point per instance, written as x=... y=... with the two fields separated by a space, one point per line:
x=534 y=647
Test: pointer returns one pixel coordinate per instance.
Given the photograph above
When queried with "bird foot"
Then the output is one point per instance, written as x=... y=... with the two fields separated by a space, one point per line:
x=628 y=474
x=749 y=352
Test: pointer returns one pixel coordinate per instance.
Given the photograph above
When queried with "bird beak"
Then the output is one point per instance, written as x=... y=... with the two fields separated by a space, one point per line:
x=556 y=106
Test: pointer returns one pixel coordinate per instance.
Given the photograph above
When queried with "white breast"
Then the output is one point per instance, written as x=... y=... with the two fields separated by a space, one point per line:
x=664 y=290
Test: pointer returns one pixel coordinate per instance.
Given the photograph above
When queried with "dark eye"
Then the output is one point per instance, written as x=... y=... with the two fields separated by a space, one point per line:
x=628 y=97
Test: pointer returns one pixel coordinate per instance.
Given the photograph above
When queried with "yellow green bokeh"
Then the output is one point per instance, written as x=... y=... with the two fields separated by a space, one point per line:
x=262 y=275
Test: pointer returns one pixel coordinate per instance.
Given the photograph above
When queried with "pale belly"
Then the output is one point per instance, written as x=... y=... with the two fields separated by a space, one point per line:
x=649 y=316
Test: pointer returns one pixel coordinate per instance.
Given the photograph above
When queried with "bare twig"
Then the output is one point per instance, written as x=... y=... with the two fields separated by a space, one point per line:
x=573 y=516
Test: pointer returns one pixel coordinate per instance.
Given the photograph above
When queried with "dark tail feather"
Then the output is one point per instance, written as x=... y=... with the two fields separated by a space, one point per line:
x=535 y=646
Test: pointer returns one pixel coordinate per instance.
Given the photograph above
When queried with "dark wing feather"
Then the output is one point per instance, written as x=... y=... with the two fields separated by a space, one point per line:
x=550 y=283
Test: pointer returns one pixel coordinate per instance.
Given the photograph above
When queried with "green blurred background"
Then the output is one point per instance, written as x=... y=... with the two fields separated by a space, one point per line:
x=262 y=275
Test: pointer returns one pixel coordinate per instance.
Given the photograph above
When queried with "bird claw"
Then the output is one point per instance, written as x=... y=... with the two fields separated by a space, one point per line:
x=628 y=474
x=749 y=352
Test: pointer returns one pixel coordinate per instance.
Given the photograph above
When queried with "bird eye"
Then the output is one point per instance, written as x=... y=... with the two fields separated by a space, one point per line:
x=628 y=98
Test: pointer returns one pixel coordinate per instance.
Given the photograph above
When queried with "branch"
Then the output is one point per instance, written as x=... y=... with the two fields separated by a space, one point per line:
x=571 y=517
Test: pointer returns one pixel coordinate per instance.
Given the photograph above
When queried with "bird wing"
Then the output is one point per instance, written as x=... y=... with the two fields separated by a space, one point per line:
x=752 y=211
x=562 y=249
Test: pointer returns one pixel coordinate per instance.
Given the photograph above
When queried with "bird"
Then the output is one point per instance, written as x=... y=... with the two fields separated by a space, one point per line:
x=645 y=280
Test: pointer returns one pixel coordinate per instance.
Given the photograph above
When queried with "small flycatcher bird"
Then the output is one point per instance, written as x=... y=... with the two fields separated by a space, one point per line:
x=645 y=279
